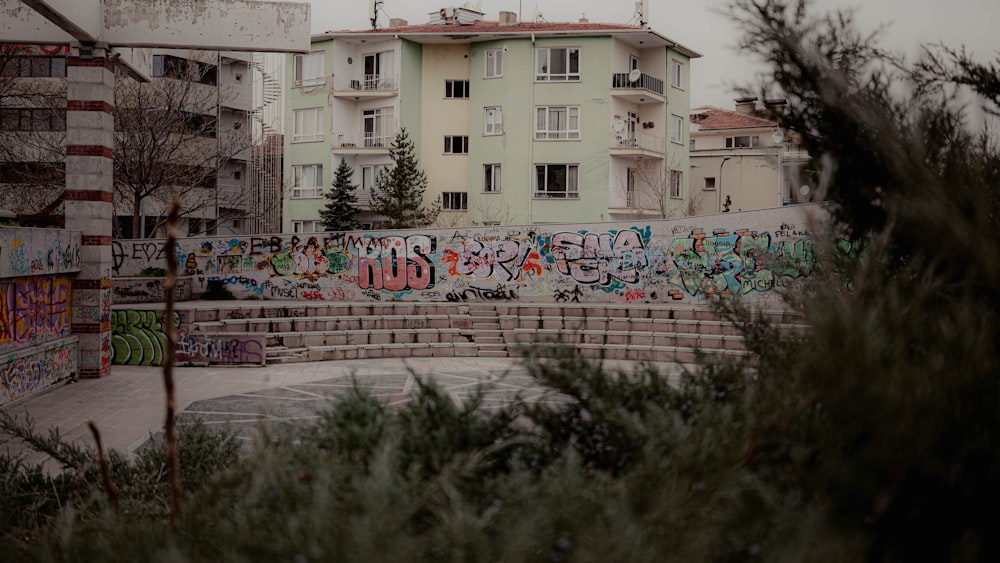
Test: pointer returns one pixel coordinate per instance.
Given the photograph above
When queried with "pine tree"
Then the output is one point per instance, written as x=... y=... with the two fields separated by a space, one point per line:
x=339 y=212
x=399 y=193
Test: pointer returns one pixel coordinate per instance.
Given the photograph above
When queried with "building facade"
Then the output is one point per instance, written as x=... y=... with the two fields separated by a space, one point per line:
x=514 y=123
x=742 y=160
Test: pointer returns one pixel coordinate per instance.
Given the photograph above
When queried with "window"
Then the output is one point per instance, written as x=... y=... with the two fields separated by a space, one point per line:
x=369 y=174
x=194 y=226
x=493 y=120
x=556 y=180
x=456 y=144
x=28 y=119
x=308 y=125
x=309 y=69
x=710 y=183
x=491 y=178
x=676 y=129
x=379 y=127
x=675 y=183
x=34 y=67
x=630 y=200
x=184 y=69
x=494 y=63
x=380 y=71
x=455 y=201
x=690 y=144
x=307 y=180
x=456 y=88
x=742 y=142
x=310 y=226
x=557 y=64
x=676 y=73
x=557 y=122
x=237 y=174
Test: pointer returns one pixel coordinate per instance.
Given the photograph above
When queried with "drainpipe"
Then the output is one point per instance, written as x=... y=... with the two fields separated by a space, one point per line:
x=531 y=131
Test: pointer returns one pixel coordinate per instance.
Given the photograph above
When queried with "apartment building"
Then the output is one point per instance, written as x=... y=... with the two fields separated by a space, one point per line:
x=741 y=159
x=514 y=122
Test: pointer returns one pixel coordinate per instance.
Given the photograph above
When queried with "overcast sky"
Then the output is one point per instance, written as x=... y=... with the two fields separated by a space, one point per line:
x=695 y=24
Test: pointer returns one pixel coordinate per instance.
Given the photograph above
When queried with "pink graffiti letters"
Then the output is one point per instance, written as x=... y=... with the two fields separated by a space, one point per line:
x=395 y=263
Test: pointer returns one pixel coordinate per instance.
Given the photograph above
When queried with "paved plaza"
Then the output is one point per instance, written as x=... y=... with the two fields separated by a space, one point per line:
x=128 y=405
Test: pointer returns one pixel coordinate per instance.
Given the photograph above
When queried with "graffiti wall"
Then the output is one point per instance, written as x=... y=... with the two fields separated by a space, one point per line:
x=33 y=310
x=34 y=252
x=28 y=371
x=138 y=338
x=747 y=254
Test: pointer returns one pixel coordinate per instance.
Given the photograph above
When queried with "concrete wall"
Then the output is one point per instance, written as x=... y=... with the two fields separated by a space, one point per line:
x=37 y=348
x=138 y=339
x=686 y=260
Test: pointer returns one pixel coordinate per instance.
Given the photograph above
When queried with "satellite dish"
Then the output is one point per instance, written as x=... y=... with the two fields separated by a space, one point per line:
x=777 y=137
x=804 y=190
x=619 y=125
x=635 y=75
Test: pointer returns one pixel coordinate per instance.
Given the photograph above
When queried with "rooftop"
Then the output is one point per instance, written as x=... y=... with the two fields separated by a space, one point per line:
x=711 y=117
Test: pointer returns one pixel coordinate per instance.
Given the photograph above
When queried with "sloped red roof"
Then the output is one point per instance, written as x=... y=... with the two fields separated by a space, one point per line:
x=494 y=27
x=718 y=118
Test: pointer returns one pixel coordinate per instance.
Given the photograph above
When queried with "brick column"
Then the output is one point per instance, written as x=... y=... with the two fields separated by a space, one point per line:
x=90 y=110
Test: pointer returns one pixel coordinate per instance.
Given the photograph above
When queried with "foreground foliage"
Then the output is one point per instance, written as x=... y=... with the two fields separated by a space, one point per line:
x=872 y=436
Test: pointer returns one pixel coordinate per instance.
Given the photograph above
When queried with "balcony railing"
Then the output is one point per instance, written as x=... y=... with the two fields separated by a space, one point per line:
x=366 y=83
x=382 y=140
x=620 y=81
x=638 y=142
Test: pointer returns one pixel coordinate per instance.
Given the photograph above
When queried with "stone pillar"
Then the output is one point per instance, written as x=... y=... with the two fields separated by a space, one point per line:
x=90 y=110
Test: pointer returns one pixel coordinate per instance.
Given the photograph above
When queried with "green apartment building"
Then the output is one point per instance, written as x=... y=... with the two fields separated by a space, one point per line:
x=515 y=123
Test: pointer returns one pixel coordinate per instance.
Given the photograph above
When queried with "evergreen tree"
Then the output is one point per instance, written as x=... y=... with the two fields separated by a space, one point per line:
x=399 y=193
x=339 y=212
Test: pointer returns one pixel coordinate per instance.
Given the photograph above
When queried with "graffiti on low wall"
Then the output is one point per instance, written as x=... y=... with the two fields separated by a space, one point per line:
x=33 y=252
x=221 y=349
x=139 y=338
x=745 y=254
x=30 y=371
x=33 y=310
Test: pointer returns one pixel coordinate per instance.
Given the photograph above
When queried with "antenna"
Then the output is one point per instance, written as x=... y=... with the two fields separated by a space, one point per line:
x=373 y=8
x=642 y=12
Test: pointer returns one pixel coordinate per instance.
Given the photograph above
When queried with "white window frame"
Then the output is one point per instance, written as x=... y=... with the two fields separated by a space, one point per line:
x=494 y=63
x=493 y=120
x=676 y=73
x=752 y=142
x=299 y=175
x=676 y=129
x=492 y=181
x=301 y=118
x=572 y=190
x=369 y=176
x=315 y=226
x=676 y=183
x=543 y=64
x=378 y=127
x=547 y=123
x=456 y=144
x=310 y=70
x=454 y=201
x=450 y=90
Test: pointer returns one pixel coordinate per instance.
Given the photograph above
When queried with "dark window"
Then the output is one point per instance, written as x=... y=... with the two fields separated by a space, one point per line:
x=32 y=119
x=454 y=201
x=184 y=69
x=456 y=144
x=456 y=88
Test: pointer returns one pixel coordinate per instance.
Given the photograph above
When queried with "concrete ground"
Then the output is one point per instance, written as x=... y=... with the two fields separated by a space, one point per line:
x=128 y=405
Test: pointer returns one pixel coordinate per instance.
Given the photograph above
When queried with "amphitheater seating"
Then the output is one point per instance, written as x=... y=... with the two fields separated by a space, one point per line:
x=298 y=332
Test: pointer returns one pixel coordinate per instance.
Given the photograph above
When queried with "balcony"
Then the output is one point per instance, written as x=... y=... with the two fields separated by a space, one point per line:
x=645 y=90
x=640 y=145
x=362 y=143
x=359 y=86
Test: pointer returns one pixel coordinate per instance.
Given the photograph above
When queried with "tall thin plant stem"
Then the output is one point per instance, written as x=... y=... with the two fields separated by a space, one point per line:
x=173 y=467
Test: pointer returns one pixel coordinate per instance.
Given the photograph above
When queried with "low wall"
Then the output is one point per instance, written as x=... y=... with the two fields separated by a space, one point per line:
x=138 y=338
x=35 y=252
x=31 y=369
x=685 y=260
x=148 y=290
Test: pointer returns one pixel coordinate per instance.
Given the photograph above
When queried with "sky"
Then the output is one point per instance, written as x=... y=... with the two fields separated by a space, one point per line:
x=697 y=25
